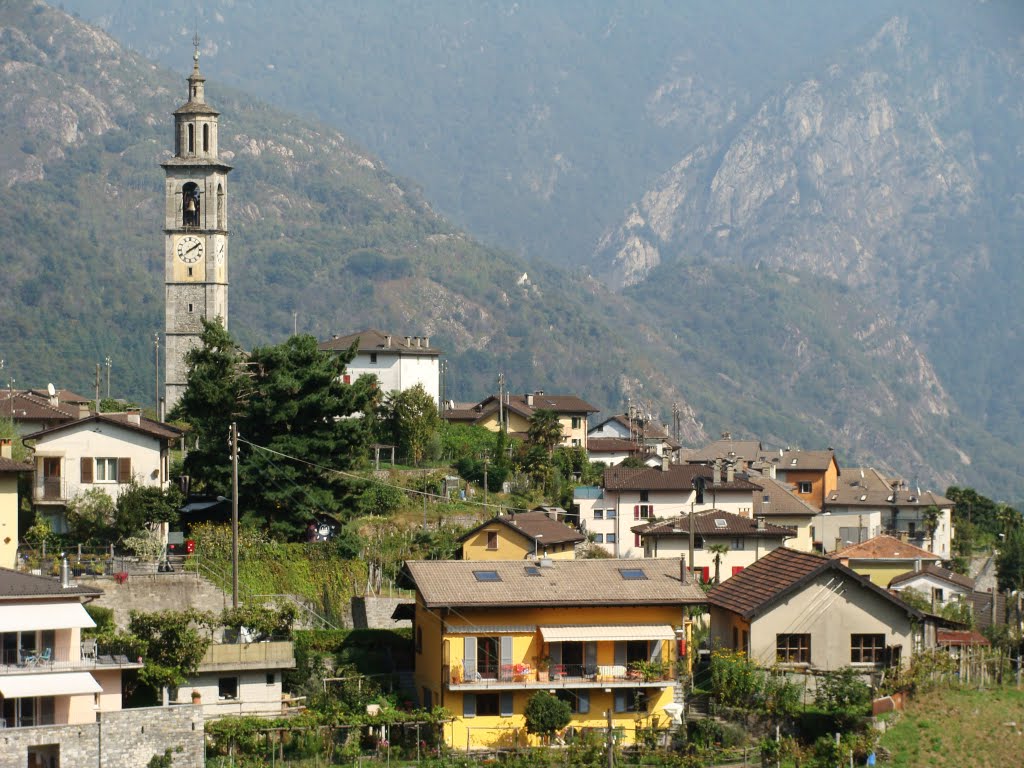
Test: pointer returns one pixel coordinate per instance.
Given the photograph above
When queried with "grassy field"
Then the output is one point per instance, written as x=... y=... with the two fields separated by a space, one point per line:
x=959 y=728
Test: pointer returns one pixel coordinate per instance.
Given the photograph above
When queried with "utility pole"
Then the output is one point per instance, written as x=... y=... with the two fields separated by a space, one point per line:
x=156 y=359
x=486 y=457
x=234 y=515
x=611 y=740
x=295 y=323
x=108 y=362
x=501 y=402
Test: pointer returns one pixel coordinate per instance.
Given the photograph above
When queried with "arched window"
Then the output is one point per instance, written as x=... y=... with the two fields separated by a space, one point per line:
x=191 y=139
x=221 y=222
x=206 y=137
x=190 y=204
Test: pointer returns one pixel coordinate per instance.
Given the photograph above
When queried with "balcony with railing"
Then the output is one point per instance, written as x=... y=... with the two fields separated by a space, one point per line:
x=50 y=490
x=273 y=654
x=654 y=674
x=16 y=661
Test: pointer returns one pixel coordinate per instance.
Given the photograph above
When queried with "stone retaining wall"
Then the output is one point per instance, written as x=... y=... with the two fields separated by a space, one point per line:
x=127 y=738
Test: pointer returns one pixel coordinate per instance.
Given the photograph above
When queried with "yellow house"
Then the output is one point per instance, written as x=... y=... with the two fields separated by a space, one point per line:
x=601 y=634
x=521 y=536
x=514 y=413
x=883 y=558
x=9 y=471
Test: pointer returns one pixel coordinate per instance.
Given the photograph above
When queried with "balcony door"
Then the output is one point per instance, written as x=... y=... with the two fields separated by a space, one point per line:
x=51 y=477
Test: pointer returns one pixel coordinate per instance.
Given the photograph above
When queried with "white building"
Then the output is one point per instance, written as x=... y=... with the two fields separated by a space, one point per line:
x=867 y=503
x=106 y=450
x=398 y=362
x=242 y=678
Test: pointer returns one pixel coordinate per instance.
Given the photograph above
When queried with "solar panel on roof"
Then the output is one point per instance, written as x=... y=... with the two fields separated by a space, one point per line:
x=486 y=576
x=632 y=574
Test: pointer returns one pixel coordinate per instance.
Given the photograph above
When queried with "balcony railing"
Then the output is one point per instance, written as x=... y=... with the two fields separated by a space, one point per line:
x=558 y=674
x=30 y=661
x=53 y=489
x=269 y=655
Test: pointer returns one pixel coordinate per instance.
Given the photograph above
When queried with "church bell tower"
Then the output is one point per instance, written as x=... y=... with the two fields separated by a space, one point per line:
x=195 y=232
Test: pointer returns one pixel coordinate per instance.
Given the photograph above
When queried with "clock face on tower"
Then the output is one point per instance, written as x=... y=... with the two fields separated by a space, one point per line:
x=190 y=249
x=219 y=246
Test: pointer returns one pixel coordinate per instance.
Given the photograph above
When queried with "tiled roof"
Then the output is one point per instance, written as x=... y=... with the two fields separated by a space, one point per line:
x=712 y=522
x=372 y=340
x=28 y=406
x=961 y=637
x=557 y=403
x=795 y=460
x=451 y=583
x=531 y=525
x=745 y=450
x=15 y=584
x=884 y=548
x=8 y=466
x=781 y=500
x=155 y=429
x=678 y=477
x=866 y=486
x=938 y=572
x=779 y=573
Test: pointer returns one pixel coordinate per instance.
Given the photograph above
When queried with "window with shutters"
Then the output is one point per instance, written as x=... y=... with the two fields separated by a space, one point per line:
x=105 y=471
x=488 y=704
x=631 y=700
x=642 y=511
x=577 y=699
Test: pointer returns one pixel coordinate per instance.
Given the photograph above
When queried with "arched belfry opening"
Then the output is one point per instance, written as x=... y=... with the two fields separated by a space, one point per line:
x=191 y=139
x=221 y=221
x=206 y=137
x=190 y=203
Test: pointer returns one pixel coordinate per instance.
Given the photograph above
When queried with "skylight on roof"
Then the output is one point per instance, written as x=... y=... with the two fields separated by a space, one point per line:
x=532 y=570
x=633 y=574
x=486 y=576
x=720 y=523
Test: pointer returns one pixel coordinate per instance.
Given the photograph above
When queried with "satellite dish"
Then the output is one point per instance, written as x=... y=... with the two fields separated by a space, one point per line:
x=50 y=389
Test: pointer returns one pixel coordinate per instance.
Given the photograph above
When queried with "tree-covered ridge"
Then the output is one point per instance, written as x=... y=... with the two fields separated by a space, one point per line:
x=324 y=231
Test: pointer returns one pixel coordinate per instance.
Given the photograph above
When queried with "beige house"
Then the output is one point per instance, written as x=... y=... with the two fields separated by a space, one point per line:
x=746 y=540
x=883 y=558
x=807 y=613
x=778 y=504
x=48 y=675
x=521 y=536
x=514 y=414
x=106 y=450
x=241 y=678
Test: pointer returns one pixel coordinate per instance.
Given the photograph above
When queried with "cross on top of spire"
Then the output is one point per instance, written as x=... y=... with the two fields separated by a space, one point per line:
x=195 y=53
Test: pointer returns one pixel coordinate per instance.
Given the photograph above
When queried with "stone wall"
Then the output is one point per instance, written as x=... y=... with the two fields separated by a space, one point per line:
x=128 y=738
x=375 y=612
x=157 y=592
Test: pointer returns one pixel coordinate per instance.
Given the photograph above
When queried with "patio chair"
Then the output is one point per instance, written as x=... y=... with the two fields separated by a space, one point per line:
x=46 y=656
x=89 y=649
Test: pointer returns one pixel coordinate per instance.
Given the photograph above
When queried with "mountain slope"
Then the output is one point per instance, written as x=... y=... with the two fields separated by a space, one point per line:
x=776 y=349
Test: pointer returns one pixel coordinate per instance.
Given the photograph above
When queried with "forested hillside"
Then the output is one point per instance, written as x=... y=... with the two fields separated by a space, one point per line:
x=771 y=347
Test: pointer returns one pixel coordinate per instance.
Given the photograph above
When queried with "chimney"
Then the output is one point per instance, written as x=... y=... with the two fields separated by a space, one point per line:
x=426 y=341
x=730 y=472
x=135 y=416
x=5 y=448
x=65 y=572
x=419 y=342
x=387 y=341
x=771 y=470
x=684 y=575
x=716 y=472
x=917 y=565
x=529 y=399
x=665 y=461
x=83 y=411
x=408 y=341
x=760 y=523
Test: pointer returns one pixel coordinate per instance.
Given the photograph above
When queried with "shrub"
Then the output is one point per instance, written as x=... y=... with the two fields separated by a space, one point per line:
x=546 y=714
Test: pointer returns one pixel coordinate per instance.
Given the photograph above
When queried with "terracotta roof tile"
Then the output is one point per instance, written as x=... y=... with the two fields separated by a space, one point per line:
x=814 y=461
x=745 y=450
x=781 y=500
x=451 y=583
x=884 y=548
x=780 y=572
x=531 y=525
x=372 y=340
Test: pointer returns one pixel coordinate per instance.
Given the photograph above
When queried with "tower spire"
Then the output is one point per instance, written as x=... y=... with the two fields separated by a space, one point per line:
x=195 y=52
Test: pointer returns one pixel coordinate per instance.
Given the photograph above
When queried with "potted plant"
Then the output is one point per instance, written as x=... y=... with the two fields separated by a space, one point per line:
x=197 y=698
x=543 y=668
x=456 y=674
